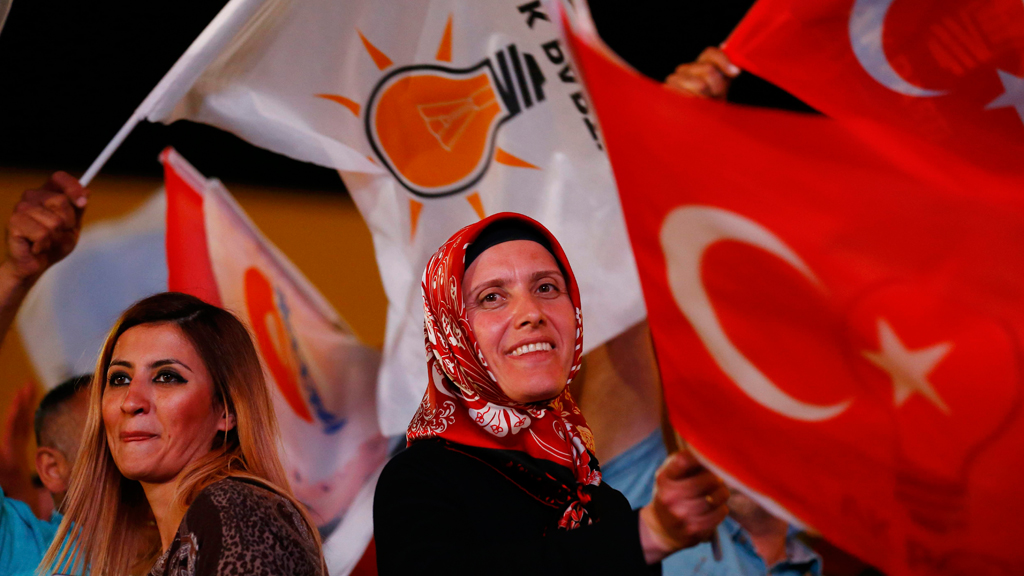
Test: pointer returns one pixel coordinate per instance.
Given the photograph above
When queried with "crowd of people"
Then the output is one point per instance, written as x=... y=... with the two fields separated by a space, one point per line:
x=164 y=460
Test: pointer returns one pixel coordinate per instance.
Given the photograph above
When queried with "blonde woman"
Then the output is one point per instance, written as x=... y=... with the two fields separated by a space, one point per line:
x=178 y=473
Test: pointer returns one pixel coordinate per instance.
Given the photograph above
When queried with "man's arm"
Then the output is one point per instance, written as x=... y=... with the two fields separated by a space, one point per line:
x=42 y=230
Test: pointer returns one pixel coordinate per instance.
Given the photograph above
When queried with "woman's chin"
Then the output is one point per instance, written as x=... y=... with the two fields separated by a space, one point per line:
x=137 y=474
x=142 y=471
x=528 y=391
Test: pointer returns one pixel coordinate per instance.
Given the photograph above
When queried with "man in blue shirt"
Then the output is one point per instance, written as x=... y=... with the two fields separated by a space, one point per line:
x=23 y=537
x=42 y=230
x=753 y=542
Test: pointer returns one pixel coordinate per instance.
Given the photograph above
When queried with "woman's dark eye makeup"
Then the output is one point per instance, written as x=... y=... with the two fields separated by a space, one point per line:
x=169 y=377
x=121 y=378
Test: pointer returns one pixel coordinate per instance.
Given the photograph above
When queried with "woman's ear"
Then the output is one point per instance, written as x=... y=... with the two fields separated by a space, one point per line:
x=227 y=422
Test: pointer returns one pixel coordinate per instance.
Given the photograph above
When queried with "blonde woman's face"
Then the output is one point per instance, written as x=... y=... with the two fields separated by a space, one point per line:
x=159 y=410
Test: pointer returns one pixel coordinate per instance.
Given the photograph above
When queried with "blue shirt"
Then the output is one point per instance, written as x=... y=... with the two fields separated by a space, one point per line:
x=632 y=473
x=24 y=538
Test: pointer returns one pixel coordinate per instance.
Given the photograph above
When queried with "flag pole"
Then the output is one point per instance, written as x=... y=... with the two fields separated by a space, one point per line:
x=674 y=443
x=180 y=78
x=108 y=151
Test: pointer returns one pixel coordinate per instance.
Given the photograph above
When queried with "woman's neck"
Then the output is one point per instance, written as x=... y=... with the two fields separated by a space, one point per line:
x=166 y=512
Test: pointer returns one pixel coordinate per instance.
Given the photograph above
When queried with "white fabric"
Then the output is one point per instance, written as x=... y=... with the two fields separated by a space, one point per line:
x=264 y=85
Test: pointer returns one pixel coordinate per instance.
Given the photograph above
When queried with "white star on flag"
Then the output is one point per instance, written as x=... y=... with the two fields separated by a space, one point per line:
x=909 y=368
x=1013 y=94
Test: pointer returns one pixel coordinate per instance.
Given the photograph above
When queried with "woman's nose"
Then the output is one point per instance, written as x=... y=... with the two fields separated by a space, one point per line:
x=528 y=312
x=136 y=400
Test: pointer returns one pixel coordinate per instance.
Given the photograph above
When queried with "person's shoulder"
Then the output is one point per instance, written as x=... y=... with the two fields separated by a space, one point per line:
x=236 y=500
x=426 y=460
x=24 y=538
x=235 y=491
x=16 y=515
x=253 y=524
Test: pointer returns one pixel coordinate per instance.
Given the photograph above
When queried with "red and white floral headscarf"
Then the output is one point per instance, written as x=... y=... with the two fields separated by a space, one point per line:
x=463 y=402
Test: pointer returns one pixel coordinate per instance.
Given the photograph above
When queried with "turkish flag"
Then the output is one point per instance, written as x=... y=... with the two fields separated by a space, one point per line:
x=838 y=321
x=950 y=71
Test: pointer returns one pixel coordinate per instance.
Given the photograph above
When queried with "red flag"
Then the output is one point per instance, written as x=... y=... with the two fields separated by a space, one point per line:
x=838 y=322
x=950 y=71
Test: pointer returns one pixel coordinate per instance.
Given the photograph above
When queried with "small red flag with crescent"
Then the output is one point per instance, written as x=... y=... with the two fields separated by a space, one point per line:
x=949 y=71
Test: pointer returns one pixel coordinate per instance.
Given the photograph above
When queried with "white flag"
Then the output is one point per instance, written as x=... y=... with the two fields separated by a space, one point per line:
x=436 y=113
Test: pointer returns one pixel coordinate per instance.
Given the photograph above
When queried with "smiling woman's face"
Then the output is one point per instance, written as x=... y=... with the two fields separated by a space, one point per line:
x=523 y=318
x=159 y=410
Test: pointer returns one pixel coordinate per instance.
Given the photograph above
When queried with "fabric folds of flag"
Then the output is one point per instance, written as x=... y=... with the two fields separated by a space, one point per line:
x=949 y=72
x=837 y=323
x=435 y=115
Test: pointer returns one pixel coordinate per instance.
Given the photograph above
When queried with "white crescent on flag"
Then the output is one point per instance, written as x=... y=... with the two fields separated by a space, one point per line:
x=686 y=234
x=867 y=20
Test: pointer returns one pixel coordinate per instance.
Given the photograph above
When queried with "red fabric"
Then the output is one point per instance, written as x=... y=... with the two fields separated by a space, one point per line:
x=463 y=402
x=188 y=260
x=367 y=565
x=800 y=280
x=946 y=59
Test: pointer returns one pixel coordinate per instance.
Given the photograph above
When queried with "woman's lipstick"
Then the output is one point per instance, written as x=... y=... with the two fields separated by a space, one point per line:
x=136 y=436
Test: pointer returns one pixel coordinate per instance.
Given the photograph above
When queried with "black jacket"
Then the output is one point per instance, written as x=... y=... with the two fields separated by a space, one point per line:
x=444 y=508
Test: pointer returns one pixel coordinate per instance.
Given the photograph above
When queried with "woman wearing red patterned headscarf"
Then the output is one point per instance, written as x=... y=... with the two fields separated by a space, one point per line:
x=499 y=476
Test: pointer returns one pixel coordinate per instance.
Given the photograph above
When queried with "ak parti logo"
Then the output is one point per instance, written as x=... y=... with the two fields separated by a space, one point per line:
x=434 y=126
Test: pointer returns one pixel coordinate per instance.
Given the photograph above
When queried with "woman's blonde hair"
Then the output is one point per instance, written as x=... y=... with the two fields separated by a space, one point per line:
x=108 y=523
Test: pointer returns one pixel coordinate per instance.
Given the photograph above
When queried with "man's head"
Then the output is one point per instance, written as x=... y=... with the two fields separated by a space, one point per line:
x=60 y=419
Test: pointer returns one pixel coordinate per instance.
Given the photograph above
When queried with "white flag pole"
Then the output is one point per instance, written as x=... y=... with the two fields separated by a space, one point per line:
x=108 y=151
x=180 y=78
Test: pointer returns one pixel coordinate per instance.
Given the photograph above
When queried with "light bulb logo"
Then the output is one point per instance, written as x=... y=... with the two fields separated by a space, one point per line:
x=448 y=120
x=434 y=127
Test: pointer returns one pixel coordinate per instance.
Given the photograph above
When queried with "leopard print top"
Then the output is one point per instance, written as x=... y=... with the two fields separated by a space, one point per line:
x=234 y=527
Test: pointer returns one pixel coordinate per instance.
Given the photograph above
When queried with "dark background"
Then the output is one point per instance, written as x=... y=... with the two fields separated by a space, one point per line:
x=71 y=73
